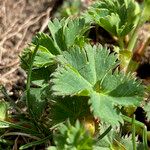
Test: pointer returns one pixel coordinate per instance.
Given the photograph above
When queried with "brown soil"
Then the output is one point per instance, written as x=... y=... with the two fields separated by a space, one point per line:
x=19 y=21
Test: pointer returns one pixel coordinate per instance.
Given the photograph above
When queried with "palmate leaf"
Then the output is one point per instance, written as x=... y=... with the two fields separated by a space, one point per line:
x=116 y=16
x=64 y=34
x=90 y=72
x=66 y=31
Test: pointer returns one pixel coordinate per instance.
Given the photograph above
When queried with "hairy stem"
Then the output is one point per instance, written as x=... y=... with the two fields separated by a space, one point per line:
x=29 y=80
x=29 y=105
x=133 y=39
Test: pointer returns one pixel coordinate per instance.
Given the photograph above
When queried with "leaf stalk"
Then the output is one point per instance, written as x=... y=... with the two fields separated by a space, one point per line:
x=138 y=124
x=133 y=133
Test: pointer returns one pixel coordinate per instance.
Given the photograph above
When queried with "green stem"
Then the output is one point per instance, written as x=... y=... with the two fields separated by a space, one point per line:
x=29 y=105
x=134 y=36
x=133 y=39
x=132 y=43
x=121 y=43
x=29 y=79
x=145 y=138
x=133 y=133
x=131 y=46
x=39 y=126
x=139 y=124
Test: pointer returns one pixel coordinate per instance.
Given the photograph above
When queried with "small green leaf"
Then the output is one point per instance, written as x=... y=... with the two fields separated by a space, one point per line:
x=3 y=110
x=145 y=14
x=118 y=17
x=52 y=148
x=65 y=32
x=43 y=58
x=44 y=62
x=73 y=137
x=47 y=42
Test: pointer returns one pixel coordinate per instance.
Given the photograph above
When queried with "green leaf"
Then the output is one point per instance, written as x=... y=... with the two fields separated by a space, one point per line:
x=114 y=140
x=71 y=108
x=107 y=141
x=90 y=72
x=110 y=23
x=145 y=14
x=77 y=84
x=73 y=137
x=44 y=62
x=117 y=16
x=35 y=143
x=45 y=54
x=84 y=67
x=3 y=110
x=37 y=102
x=74 y=28
x=47 y=42
x=6 y=124
x=56 y=30
x=52 y=148
x=102 y=106
x=127 y=142
x=65 y=32
x=43 y=57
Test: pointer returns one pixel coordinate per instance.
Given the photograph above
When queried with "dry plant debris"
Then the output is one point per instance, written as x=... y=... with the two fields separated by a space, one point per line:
x=19 y=20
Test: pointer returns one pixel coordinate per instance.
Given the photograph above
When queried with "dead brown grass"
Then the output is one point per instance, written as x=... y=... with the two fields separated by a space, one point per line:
x=19 y=21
